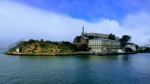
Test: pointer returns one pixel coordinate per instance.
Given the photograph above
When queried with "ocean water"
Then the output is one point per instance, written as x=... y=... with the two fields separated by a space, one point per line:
x=119 y=69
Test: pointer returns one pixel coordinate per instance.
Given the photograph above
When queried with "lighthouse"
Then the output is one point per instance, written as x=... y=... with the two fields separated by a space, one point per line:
x=82 y=31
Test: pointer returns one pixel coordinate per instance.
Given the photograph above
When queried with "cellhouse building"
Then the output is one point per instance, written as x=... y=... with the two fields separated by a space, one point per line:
x=98 y=42
x=103 y=45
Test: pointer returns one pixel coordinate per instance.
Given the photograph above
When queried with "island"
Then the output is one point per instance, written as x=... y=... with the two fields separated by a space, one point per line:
x=84 y=44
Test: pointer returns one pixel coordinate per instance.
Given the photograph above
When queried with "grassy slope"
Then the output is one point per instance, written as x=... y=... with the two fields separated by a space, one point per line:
x=35 y=46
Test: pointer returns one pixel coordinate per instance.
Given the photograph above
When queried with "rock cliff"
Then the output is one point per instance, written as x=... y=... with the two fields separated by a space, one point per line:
x=79 y=40
x=81 y=43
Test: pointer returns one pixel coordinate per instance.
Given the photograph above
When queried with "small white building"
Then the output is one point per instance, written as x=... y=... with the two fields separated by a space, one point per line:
x=142 y=47
x=103 y=45
x=17 y=49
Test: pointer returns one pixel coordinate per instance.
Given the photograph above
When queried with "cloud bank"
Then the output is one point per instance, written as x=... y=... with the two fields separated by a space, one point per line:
x=18 y=21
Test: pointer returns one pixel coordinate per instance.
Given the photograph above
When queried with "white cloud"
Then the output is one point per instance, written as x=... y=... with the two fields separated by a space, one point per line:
x=21 y=21
x=138 y=26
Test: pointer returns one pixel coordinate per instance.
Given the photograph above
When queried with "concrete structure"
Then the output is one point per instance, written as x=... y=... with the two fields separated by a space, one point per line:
x=120 y=51
x=96 y=35
x=17 y=49
x=103 y=45
x=132 y=46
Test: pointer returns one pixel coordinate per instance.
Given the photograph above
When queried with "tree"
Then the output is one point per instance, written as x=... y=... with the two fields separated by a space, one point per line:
x=42 y=40
x=111 y=36
x=137 y=47
x=147 y=49
x=31 y=41
x=124 y=40
x=82 y=47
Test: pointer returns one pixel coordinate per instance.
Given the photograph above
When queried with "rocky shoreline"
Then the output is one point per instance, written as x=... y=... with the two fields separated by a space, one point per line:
x=46 y=54
x=62 y=54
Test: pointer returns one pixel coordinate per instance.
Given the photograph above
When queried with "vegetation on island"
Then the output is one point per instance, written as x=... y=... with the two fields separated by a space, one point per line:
x=41 y=46
x=124 y=40
x=111 y=37
x=144 y=50
x=36 y=46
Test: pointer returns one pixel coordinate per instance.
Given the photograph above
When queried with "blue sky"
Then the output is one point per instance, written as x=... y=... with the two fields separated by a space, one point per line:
x=90 y=10
x=58 y=20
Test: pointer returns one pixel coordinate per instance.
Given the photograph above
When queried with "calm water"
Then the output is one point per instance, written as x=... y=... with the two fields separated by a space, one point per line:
x=121 y=69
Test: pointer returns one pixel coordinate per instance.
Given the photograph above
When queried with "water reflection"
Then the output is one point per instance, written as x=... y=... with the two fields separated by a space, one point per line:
x=109 y=57
x=95 y=57
x=82 y=57
x=126 y=58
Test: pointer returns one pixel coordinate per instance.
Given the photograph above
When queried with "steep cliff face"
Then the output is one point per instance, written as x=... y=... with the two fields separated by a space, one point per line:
x=81 y=43
x=79 y=40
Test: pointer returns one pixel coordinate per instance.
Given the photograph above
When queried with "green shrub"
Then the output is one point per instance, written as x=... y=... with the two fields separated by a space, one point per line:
x=31 y=41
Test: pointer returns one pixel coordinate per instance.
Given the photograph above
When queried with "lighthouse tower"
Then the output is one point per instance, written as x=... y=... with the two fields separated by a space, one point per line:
x=82 y=31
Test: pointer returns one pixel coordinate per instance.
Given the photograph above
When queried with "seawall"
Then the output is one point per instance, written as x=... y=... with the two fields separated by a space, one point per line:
x=63 y=54
x=46 y=54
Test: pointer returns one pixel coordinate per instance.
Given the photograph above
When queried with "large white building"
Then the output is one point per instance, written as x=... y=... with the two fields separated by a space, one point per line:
x=103 y=45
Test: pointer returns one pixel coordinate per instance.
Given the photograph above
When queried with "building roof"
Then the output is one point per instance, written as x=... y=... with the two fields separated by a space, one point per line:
x=130 y=43
x=102 y=39
x=100 y=35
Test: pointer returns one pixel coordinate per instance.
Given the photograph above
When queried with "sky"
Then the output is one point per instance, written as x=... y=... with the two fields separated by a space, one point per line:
x=62 y=20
